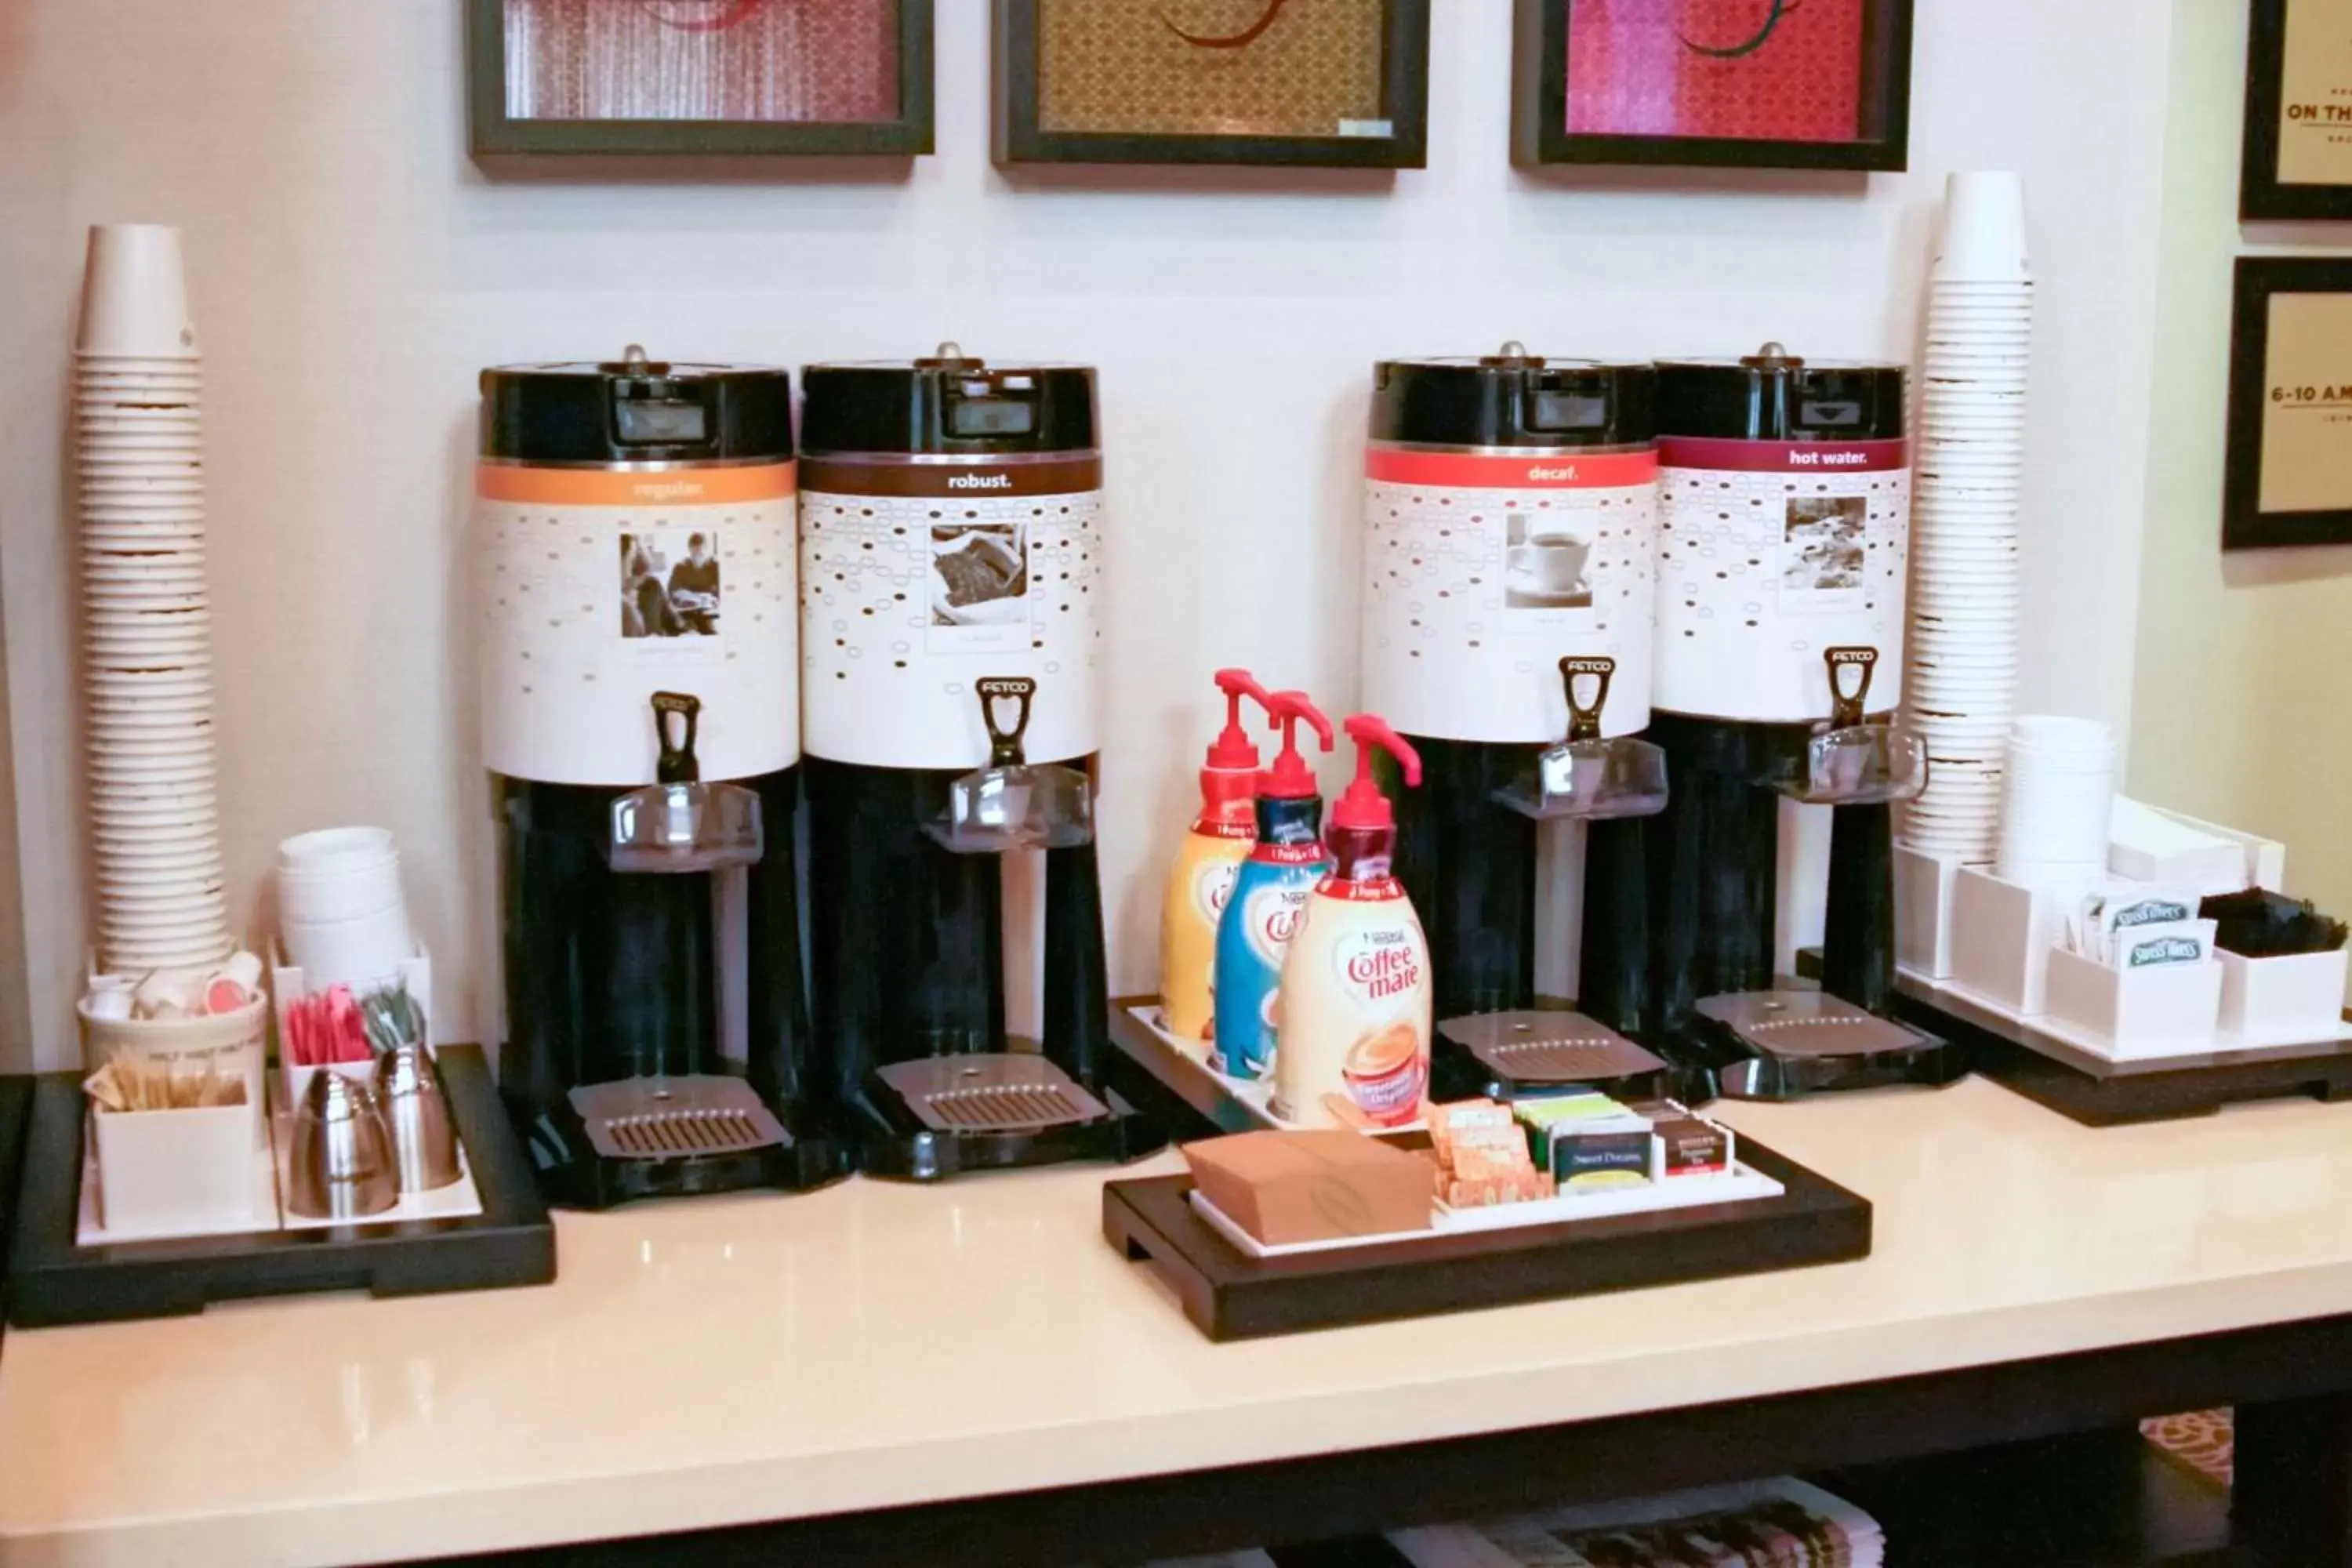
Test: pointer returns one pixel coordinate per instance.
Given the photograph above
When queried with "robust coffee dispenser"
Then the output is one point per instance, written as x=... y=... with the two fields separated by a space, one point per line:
x=1510 y=514
x=1784 y=541
x=634 y=524
x=952 y=541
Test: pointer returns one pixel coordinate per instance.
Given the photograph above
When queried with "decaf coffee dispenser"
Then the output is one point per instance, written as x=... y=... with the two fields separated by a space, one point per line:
x=1784 y=549
x=1510 y=508
x=952 y=550
x=636 y=569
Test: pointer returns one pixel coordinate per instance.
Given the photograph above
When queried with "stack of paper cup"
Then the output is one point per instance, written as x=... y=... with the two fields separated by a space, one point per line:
x=154 y=812
x=1960 y=681
x=2058 y=799
x=340 y=909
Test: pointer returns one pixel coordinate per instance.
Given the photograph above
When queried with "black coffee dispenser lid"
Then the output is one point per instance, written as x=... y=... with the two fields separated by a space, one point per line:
x=949 y=404
x=1513 y=398
x=637 y=410
x=1774 y=396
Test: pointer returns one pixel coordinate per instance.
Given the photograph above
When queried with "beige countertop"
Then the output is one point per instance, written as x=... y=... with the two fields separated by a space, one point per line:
x=746 y=1358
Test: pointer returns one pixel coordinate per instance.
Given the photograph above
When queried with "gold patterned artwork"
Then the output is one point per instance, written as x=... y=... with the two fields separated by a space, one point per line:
x=1212 y=67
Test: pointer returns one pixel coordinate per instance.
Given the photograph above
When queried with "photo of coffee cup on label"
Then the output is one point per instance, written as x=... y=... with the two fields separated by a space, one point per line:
x=1544 y=567
x=1385 y=1072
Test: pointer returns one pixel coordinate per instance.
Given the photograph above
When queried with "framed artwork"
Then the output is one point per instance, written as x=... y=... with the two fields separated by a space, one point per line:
x=2288 y=478
x=2298 y=157
x=1763 y=84
x=713 y=78
x=1338 y=83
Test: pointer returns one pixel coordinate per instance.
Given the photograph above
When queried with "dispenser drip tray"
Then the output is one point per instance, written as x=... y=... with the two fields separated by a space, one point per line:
x=676 y=1118
x=997 y=1092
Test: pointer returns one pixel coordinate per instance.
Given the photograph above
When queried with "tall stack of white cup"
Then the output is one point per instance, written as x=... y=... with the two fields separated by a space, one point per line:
x=153 y=791
x=1960 y=678
x=2057 y=802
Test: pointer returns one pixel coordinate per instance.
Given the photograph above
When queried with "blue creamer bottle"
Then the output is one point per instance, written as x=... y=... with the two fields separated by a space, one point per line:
x=1269 y=893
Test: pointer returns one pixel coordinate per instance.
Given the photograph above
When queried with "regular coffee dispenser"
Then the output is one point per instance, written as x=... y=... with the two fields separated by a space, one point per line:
x=1510 y=511
x=635 y=571
x=951 y=544
x=1783 y=567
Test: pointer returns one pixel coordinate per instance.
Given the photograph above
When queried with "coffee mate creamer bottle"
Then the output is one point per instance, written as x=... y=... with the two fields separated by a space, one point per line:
x=1269 y=892
x=1200 y=882
x=1354 y=1006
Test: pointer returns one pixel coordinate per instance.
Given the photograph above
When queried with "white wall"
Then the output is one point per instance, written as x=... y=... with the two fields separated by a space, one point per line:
x=352 y=270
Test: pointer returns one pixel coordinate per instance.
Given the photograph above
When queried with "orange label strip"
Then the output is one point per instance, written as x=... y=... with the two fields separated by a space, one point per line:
x=623 y=487
x=1489 y=472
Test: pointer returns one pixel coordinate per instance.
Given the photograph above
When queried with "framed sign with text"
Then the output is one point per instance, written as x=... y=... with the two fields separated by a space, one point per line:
x=1299 y=83
x=2299 y=156
x=707 y=77
x=1763 y=84
x=2289 y=473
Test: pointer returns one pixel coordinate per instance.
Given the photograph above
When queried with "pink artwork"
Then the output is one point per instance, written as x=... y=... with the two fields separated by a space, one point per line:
x=1776 y=70
x=792 y=60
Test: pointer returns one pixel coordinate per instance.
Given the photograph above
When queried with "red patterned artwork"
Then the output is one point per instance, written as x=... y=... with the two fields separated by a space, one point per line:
x=1780 y=70
x=796 y=60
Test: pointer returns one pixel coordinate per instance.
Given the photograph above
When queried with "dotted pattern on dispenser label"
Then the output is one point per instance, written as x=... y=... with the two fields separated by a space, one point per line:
x=1759 y=572
x=907 y=600
x=1472 y=597
x=587 y=611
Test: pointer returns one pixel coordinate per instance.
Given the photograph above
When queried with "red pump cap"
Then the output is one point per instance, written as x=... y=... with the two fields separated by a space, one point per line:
x=1234 y=751
x=1361 y=804
x=1290 y=778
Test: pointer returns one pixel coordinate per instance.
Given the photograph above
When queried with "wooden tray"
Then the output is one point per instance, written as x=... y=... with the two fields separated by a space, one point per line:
x=1231 y=1296
x=55 y=1281
x=2099 y=1092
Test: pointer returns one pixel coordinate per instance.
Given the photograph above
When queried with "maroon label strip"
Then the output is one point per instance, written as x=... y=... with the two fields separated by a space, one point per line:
x=1059 y=477
x=1783 y=457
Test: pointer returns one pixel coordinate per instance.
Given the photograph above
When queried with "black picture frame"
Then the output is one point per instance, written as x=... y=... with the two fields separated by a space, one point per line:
x=2261 y=195
x=2244 y=524
x=1539 y=133
x=496 y=138
x=1019 y=138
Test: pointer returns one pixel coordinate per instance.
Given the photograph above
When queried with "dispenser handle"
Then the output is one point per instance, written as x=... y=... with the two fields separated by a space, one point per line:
x=1584 y=722
x=1847 y=709
x=1005 y=745
x=678 y=763
x=1370 y=730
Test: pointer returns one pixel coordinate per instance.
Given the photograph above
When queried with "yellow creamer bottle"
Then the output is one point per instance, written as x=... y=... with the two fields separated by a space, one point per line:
x=1202 y=880
x=1354 y=1008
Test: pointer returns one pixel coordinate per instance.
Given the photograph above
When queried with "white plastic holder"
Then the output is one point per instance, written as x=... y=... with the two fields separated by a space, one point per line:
x=1924 y=889
x=2291 y=1001
x=2002 y=935
x=174 y=1173
x=2165 y=1010
x=287 y=985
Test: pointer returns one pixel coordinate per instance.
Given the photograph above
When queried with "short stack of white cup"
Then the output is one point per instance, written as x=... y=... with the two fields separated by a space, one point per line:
x=2057 y=802
x=342 y=912
x=155 y=810
x=1960 y=679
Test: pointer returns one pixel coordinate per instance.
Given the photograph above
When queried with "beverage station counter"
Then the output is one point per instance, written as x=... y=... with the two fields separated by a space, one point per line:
x=868 y=1371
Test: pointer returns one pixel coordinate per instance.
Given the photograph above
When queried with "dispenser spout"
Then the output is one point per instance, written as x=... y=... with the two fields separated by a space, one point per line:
x=1362 y=805
x=1290 y=778
x=1234 y=749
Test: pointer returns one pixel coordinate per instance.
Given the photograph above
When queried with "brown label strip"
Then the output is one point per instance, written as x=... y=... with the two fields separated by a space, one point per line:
x=853 y=477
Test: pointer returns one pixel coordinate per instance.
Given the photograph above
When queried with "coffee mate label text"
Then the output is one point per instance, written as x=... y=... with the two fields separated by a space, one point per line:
x=1379 y=963
x=1212 y=885
x=1270 y=920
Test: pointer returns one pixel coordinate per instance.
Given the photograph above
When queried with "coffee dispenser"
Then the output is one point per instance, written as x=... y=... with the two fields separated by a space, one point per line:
x=1782 y=566
x=1510 y=511
x=633 y=523
x=951 y=550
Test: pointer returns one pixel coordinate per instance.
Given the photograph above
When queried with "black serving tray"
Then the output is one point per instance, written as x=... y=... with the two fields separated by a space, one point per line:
x=54 y=1281
x=2098 y=1092
x=16 y=1097
x=1229 y=1295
